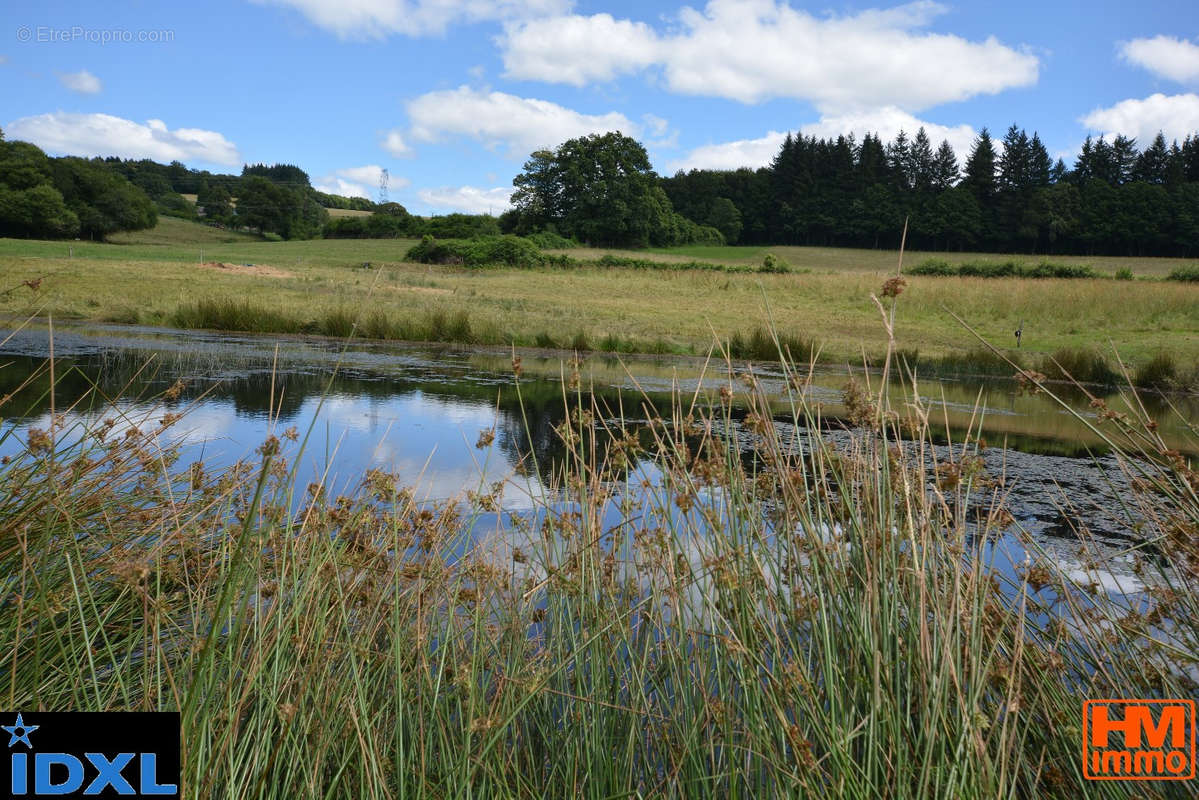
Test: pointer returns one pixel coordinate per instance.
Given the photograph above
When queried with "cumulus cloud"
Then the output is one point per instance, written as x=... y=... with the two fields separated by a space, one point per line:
x=753 y=50
x=579 y=50
x=1164 y=56
x=732 y=155
x=886 y=122
x=393 y=142
x=106 y=135
x=518 y=124
x=377 y=19
x=357 y=181
x=470 y=199
x=1174 y=115
x=82 y=81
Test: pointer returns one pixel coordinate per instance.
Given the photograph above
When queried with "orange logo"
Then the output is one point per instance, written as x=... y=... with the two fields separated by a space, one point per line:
x=1138 y=740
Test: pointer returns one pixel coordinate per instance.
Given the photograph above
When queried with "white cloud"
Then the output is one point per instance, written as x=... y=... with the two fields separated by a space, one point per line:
x=106 y=135
x=1164 y=56
x=578 y=50
x=496 y=119
x=1175 y=116
x=470 y=199
x=3 y=60
x=753 y=50
x=82 y=81
x=885 y=122
x=393 y=142
x=380 y=18
x=732 y=155
x=357 y=181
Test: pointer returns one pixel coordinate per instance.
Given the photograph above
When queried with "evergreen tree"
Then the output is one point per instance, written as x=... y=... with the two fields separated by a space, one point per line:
x=945 y=167
x=899 y=161
x=980 y=181
x=1190 y=158
x=920 y=162
x=1124 y=159
x=980 y=168
x=1040 y=167
x=1058 y=173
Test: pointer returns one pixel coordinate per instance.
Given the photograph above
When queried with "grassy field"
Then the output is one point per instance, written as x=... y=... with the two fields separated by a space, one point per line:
x=844 y=259
x=154 y=277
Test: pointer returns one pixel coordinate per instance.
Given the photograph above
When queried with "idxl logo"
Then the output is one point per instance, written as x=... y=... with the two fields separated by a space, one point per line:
x=86 y=754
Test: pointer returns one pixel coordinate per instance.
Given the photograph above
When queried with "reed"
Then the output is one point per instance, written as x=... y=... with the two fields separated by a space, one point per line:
x=696 y=606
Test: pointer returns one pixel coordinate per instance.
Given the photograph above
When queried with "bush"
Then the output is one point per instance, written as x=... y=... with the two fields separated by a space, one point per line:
x=1185 y=274
x=674 y=266
x=507 y=250
x=1124 y=274
x=933 y=266
x=775 y=264
x=548 y=240
x=1001 y=269
x=1048 y=270
x=457 y=226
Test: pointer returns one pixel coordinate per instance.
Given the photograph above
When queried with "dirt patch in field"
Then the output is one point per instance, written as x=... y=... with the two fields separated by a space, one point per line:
x=261 y=270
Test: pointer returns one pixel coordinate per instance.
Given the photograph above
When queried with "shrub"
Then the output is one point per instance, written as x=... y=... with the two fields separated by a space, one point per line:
x=933 y=266
x=548 y=240
x=507 y=250
x=1124 y=274
x=1001 y=269
x=775 y=264
x=610 y=260
x=1048 y=270
x=1185 y=274
x=457 y=226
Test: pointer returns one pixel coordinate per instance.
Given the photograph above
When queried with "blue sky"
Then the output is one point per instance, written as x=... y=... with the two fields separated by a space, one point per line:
x=450 y=96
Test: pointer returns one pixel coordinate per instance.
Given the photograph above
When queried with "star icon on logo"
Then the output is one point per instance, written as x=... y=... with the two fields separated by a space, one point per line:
x=23 y=736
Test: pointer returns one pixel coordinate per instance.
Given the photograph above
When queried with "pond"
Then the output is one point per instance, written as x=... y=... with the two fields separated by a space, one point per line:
x=419 y=413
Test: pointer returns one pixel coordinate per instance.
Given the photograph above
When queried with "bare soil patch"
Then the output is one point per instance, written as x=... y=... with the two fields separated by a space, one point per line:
x=260 y=270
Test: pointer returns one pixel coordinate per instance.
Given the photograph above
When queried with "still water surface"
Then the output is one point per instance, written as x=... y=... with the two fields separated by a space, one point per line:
x=419 y=412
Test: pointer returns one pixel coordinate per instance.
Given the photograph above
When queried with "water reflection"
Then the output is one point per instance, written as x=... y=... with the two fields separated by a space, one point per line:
x=420 y=413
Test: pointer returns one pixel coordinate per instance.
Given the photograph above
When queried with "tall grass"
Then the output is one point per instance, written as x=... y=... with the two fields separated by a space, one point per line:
x=677 y=616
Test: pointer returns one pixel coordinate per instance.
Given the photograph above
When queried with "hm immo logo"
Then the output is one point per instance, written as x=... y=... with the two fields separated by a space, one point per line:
x=1138 y=740
x=89 y=754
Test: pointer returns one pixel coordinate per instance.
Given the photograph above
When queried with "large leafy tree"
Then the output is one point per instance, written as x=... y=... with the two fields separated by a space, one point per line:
x=103 y=200
x=599 y=189
x=270 y=207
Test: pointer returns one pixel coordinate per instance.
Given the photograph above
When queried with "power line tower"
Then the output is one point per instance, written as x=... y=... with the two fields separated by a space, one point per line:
x=383 y=178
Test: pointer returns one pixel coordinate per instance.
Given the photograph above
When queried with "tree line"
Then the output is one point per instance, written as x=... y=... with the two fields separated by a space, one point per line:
x=1008 y=196
x=56 y=198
